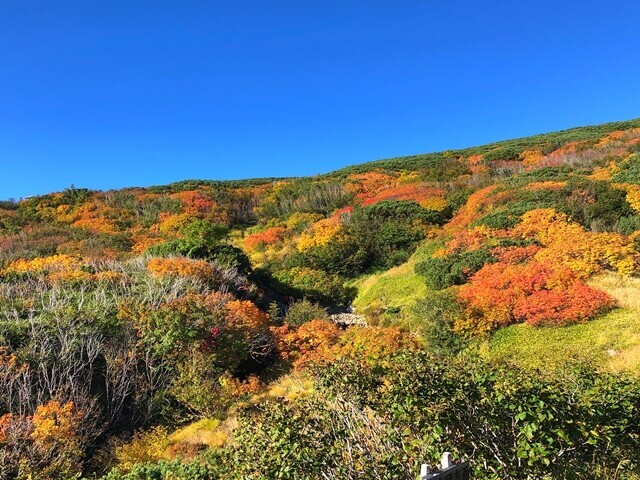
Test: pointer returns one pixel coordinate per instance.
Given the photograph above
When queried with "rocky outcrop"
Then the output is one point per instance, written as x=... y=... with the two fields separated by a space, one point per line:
x=348 y=319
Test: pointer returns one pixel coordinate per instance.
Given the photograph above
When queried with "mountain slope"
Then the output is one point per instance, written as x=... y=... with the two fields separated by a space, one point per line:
x=499 y=282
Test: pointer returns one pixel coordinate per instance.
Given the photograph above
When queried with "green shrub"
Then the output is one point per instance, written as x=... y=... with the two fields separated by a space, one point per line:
x=304 y=311
x=172 y=470
x=203 y=239
x=534 y=421
x=627 y=225
x=438 y=273
x=455 y=269
x=437 y=312
x=595 y=205
x=315 y=285
x=629 y=171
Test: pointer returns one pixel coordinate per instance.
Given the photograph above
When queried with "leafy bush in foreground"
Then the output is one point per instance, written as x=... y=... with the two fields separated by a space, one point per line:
x=383 y=421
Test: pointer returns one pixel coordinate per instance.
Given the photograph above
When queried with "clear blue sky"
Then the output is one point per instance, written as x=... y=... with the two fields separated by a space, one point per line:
x=106 y=94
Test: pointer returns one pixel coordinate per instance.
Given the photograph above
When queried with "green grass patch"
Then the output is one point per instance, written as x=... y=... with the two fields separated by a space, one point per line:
x=611 y=341
x=396 y=289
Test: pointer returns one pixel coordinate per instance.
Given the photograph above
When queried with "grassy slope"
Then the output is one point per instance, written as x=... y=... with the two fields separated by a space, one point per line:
x=611 y=340
x=215 y=433
x=397 y=287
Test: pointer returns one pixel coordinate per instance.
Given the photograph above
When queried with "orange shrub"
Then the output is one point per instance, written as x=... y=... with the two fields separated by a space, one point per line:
x=112 y=278
x=258 y=241
x=312 y=342
x=470 y=240
x=54 y=263
x=548 y=185
x=577 y=303
x=92 y=215
x=235 y=388
x=179 y=266
x=55 y=422
x=195 y=202
x=472 y=210
x=323 y=341
x=416 y=192
x=531 y=158
x=374 y=343
x=245 y=314
x=515 y=254
x=71 y=276
x=369 y=184
x=501 y=294
x=96 y=225
x=477 y=165
x=142 y=241
x=10 y=428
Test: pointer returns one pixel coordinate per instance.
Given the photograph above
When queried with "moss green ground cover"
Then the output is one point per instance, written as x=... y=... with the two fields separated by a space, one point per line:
x=395 y=289
x=612 y=341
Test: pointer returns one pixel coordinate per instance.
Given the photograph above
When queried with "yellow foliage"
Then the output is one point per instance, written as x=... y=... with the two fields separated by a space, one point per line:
x=53 y=422
x=321 y=233
x=548 y=185
x=54 y=263
x=71 y=276
x=408 y=177
x=567 y=243
x=633 y=194
x=547 y=225
x=290 y=387
x=531 y=158
x=149 y=446
x=97 y=225
x=209 y=432
x=602 y=173
x=111 y=277
x=171 y=224
x=434 y=203
x=63 y=214
x=300 y=221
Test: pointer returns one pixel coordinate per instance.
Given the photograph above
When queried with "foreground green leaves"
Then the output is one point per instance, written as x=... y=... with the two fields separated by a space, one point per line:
x=383 y=421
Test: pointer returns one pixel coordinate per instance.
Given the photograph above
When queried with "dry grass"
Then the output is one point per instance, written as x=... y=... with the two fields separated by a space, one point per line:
x=208 y=432
x=216 y=433
x=289 y=387
x=626 y=290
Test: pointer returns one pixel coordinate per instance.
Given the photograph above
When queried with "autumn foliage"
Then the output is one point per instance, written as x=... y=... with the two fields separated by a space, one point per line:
x=501 y=294
x=257 y=241
x=141 y=307
x=47 y=444
x=321 y=341
x=568 y=244
x=179 y=266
